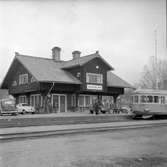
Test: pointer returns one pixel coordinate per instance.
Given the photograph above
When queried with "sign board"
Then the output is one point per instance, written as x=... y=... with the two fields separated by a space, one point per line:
x=94 y=87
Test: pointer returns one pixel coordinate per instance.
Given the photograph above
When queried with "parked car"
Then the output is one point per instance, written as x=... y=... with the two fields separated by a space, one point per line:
x=125 y=109
x=25 y=108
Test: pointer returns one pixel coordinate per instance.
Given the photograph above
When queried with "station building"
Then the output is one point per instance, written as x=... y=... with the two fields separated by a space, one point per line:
x=62 y=85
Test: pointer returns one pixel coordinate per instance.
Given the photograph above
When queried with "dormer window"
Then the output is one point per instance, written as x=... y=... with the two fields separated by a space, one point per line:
x=23 y=79
x=94 y=78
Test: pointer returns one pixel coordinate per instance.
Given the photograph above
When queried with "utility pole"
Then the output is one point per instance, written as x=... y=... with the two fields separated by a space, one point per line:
x=155 y=59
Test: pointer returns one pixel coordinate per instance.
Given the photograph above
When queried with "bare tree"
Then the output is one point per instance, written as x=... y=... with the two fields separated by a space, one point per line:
x=154 y=74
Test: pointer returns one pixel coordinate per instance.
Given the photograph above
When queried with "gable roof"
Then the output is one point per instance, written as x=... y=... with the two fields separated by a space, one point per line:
x=115 y=81
x=46 y=70
x=83 y=60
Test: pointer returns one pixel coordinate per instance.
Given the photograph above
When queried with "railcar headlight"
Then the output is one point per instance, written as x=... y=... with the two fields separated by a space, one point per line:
x=147 y=109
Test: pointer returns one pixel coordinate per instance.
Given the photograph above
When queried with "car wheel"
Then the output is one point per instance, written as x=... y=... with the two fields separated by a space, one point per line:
x=23 y=112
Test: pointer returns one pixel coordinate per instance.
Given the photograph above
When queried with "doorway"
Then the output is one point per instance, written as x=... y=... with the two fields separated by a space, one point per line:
x=59 y=102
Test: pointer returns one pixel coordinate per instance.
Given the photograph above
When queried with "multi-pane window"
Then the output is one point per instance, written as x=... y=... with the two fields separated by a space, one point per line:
x=55 y=102
x=73 y=101
x=84 y=100
x=23 y=79
x=36 y=100
x=87 y=100
x=94 y=78
x=22 y=99
x=81 y=101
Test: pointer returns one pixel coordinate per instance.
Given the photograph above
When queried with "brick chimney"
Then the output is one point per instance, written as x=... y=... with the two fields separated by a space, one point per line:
x=56 y=53
x=76 y=54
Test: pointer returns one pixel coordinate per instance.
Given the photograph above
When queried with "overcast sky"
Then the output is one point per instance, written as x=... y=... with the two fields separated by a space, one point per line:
x=122 y=31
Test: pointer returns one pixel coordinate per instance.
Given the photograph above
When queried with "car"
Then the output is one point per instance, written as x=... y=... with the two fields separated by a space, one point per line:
x=125 y=109
x=25 y=108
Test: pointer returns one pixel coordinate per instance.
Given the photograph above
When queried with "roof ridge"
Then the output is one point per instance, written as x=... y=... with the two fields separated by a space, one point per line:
x=83 y=57
x=33 y=56
x=18 y=54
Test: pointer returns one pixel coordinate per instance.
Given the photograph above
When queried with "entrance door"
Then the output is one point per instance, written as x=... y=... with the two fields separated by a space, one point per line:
x=55 y=103
x=62 y=103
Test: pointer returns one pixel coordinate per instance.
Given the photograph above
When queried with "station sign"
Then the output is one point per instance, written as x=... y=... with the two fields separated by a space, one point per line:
x=94 y=87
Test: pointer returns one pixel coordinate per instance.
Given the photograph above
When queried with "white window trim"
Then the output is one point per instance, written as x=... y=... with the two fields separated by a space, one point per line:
x=33 y=95
x=23 y=96
x=84 y=103
x=59 y=101
x=73 y=100
x=94 y=74
x=21 y=80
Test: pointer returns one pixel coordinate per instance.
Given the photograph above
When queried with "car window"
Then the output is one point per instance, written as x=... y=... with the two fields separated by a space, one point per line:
x=25 y=105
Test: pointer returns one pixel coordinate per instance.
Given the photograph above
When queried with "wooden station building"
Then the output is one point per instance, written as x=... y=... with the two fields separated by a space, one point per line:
x=64 y=85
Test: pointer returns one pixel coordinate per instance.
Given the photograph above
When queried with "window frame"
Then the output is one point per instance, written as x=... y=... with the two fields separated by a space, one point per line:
x=23 y=79
x=99 y=78
x=34 y=96
x=21 y=97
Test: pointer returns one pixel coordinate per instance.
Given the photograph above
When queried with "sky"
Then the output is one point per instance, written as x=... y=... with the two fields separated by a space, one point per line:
x=123 y=31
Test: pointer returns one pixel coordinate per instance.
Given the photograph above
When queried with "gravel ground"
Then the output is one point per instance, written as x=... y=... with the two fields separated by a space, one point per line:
x=125 y=148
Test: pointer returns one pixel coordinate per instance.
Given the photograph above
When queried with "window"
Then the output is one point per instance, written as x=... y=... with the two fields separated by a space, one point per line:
x=136 y=98
x=84 y=100
x=162 y=99
x=94 y=78
x=81 y=101
x=23 y=79
x=156 y=99
x=87 y=100
x=36 y=100
x=55 y=102
x=149 y=99
x=14 y=83
x=143 y=99
x=73 y=101
x=33 y=79
x=22 y=99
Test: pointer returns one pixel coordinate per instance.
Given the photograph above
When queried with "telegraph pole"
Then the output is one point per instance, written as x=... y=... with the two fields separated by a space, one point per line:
x=155 y=59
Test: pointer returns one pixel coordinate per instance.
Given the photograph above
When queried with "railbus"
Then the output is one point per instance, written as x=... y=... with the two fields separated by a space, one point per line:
x=149 y=102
